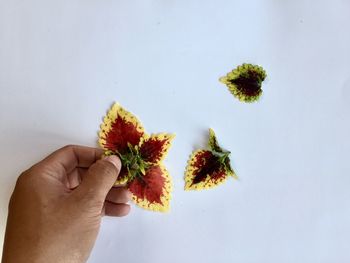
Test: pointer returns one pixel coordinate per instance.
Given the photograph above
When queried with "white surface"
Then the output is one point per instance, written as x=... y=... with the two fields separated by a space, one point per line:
x=62 y=64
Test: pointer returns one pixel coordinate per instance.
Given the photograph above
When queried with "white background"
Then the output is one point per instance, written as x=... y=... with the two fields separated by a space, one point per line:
x=63 y=63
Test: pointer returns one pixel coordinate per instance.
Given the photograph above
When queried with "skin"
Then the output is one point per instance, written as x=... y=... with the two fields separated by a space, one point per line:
x=56 y=207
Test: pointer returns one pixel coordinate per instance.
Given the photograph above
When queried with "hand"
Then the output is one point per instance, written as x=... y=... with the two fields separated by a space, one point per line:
x=56 y=208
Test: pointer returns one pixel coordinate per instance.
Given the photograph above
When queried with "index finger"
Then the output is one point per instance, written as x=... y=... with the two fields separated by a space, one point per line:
x=74 y=156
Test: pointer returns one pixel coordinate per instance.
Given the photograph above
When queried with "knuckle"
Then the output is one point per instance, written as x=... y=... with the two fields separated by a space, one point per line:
x=68 y=147
x=30 y=178
x=24 y=187
x=24 y=178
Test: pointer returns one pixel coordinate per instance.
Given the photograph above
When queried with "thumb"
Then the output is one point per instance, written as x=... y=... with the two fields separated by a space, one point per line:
x=100 y=178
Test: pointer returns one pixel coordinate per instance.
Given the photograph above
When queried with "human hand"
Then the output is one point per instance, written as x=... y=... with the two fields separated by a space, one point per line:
x=56 y=208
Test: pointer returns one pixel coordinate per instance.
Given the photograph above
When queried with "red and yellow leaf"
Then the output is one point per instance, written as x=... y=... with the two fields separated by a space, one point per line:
x=204 y=171
x=152 y=191
x=119 y=128
x=154 y=148
x=244 y=82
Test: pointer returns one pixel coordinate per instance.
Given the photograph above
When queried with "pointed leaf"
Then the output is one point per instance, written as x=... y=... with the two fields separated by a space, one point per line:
x=152 y=191
x=119 y=129
x=156 y=147
x=204 y=171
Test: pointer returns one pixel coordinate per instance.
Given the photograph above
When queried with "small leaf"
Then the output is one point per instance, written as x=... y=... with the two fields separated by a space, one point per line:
x=208 y=168
x=204 y=171
x=244 y=82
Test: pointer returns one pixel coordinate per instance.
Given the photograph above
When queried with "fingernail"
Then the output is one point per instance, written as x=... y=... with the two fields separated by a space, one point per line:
x=113 y=159
x=129 y=194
